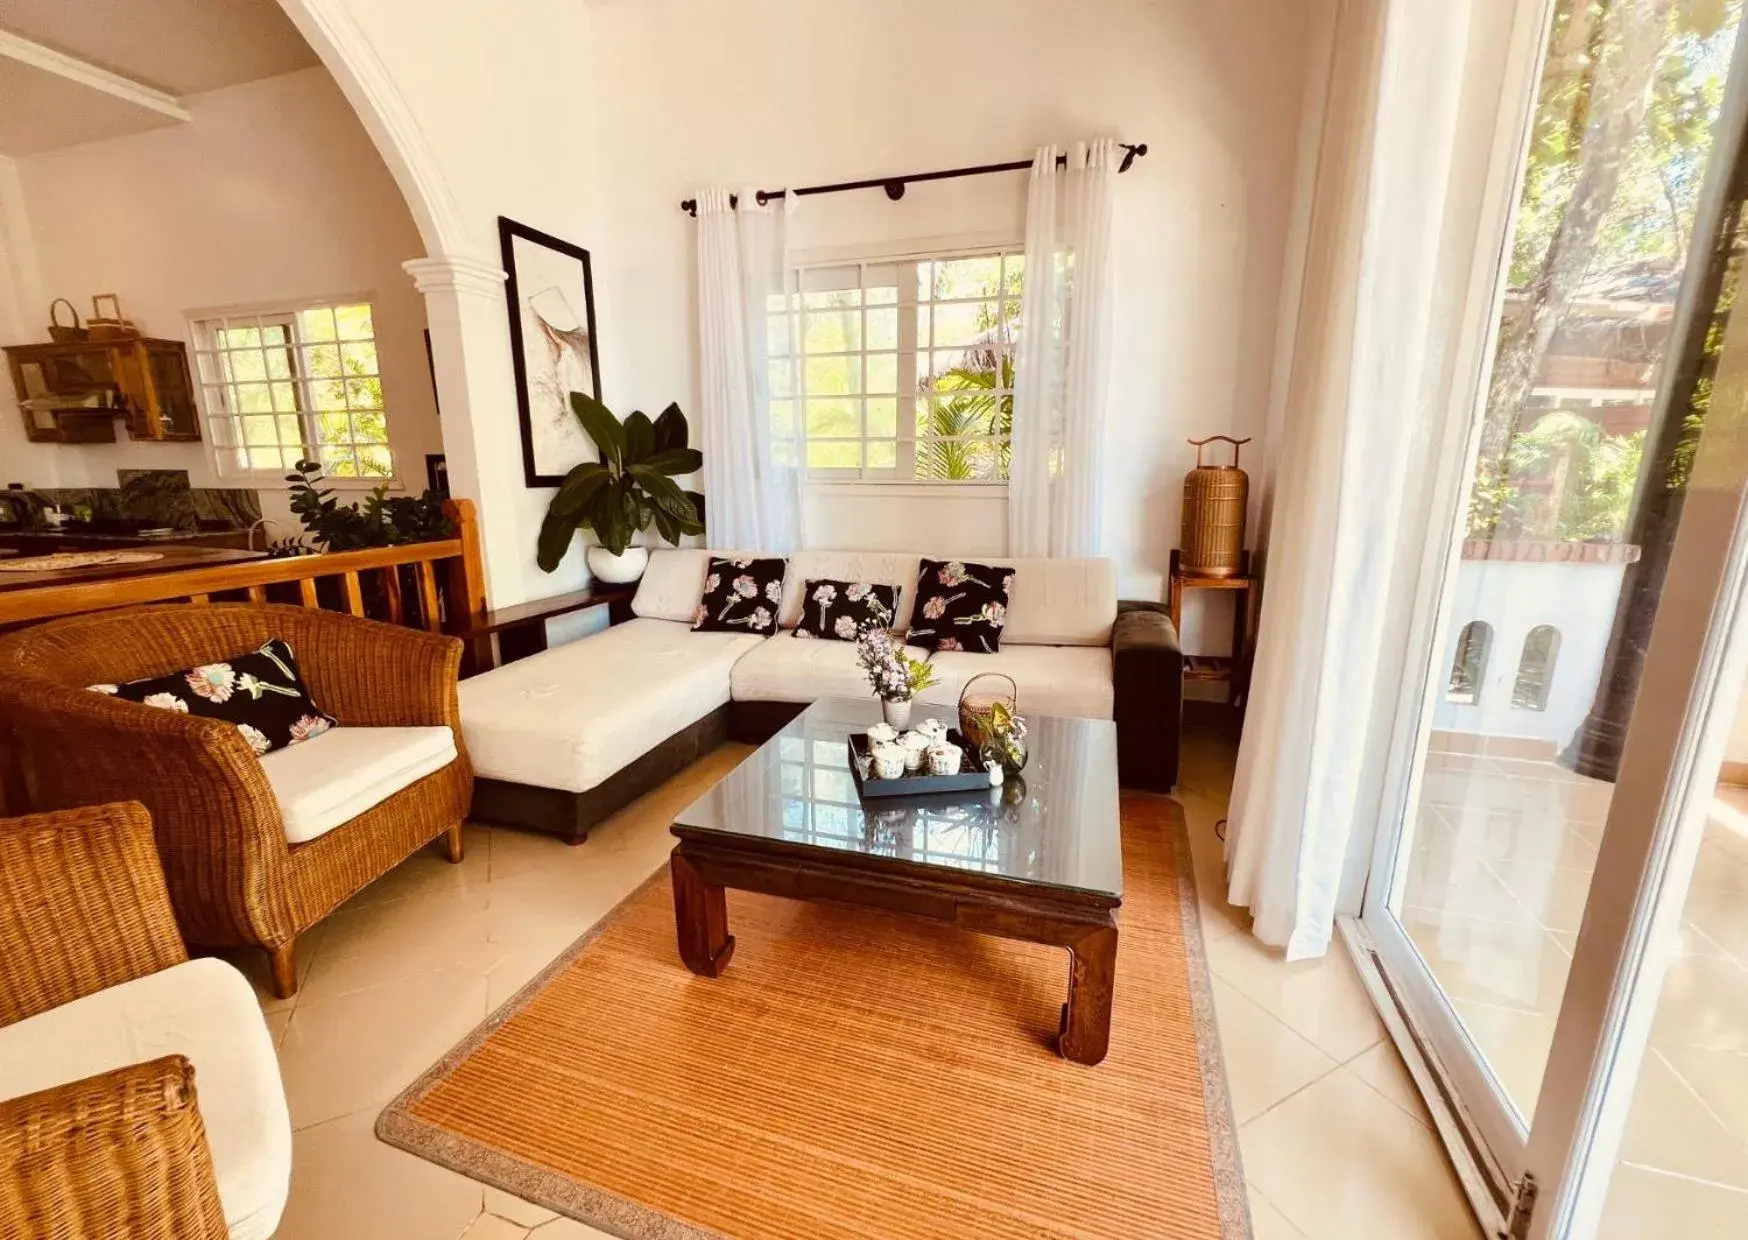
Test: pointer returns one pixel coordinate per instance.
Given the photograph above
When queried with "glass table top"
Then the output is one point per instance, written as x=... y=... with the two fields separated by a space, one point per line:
x=1056 y=825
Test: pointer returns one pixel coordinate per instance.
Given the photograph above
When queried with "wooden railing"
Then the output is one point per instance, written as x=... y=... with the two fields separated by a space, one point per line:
x=438 y=586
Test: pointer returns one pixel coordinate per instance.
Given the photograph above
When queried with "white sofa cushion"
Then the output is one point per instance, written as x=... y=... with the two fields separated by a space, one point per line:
x=1060 y=602
x=572 y=716
x=1052 y=680
x=672 y=584
x=206 y=1011
x=874 y=567
x=788 y=668
x=332 y=778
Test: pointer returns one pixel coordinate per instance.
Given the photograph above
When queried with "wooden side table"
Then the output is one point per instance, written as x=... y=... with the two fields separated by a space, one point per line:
x=521 y=630
x=1233 y=669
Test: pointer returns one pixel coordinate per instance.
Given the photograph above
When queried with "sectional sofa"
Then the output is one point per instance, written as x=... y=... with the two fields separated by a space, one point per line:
x=562 y=739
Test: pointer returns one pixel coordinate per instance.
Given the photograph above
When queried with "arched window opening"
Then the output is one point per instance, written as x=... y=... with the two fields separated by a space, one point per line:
x=1535 y=670
x=1469 y=668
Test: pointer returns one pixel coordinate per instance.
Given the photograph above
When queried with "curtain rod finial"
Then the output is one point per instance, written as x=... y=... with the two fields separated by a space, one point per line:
x=1129 y=155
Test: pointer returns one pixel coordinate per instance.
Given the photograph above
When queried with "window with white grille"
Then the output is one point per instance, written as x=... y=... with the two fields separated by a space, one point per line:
x=301 y=383
x=897 y=370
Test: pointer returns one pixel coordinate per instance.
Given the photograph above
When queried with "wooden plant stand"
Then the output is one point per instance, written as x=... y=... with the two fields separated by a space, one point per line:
x=1233 y=669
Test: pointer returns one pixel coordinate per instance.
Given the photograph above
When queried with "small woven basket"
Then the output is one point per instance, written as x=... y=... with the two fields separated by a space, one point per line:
x=982 y=714
x=60 y=333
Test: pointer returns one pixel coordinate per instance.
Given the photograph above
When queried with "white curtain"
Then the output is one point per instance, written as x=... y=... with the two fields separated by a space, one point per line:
x=1406 y=222
x=752 y=489
x=1062 y=364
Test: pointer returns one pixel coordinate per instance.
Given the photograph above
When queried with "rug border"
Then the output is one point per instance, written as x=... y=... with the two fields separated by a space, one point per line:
x=608 y=1212
x=635 y=1220
x=1231 y=1191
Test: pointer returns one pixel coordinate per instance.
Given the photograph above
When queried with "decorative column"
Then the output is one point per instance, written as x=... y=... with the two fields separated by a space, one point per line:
x=470 y=355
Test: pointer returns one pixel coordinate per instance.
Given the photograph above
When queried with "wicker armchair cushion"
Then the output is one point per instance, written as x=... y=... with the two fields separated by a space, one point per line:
x=203 y=1010
x=259 y=691
x=329 y=780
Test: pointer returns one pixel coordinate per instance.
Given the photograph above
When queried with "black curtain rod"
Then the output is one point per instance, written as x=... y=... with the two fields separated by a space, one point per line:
x=894 y=186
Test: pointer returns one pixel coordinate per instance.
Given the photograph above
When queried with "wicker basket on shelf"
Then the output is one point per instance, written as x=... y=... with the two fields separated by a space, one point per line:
x=62 y=333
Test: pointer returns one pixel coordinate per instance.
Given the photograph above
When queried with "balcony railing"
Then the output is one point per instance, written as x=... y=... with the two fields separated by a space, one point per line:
x=438 y=586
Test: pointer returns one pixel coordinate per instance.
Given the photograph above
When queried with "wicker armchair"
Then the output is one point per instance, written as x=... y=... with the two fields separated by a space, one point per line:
x=123 y=1153
x=233 y=878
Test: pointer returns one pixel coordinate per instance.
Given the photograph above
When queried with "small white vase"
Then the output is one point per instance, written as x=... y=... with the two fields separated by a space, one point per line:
x=896 y=713
x=617 y=569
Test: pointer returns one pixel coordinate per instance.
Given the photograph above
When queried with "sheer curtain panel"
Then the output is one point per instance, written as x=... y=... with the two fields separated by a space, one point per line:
x=1062 y=364
x=752 y=498
x=1402 y=240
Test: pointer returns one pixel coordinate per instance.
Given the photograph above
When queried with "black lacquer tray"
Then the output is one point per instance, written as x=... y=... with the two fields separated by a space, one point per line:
x=971 y=777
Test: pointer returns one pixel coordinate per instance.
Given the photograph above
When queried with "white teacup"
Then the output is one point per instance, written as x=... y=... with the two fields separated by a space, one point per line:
x=889 y=761
x=932 y=728
x=945 y=759
x=882 y=733
x=915 y=745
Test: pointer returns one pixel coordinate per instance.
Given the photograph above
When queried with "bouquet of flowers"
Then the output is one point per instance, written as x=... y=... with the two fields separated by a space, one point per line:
x=896 y=676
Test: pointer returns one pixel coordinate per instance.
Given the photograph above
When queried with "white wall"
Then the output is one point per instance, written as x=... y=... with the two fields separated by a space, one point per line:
x=480 y=110
x=792 y=92
x=1513 y=597
x=274 y=192
x=1736 y=748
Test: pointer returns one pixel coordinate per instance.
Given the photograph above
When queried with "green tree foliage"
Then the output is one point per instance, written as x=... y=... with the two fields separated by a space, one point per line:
x=975 y=398
x=1617 y=154
x=1571 y=481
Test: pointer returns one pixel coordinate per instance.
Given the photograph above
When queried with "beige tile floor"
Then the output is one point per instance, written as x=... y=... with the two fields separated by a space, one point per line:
x=1334 y=1139
x=1501 y=862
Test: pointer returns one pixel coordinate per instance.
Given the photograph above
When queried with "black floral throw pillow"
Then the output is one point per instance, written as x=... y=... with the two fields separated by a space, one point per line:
x=741 y=596
x=960 y=606
x=840 y=610
x=260 y=692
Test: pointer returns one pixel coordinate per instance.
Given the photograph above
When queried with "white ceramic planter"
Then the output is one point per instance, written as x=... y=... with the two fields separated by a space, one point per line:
x=617 y=569
x=896 y=713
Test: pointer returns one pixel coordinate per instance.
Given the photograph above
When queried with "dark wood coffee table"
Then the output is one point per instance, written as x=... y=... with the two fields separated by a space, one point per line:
x=1040 y=862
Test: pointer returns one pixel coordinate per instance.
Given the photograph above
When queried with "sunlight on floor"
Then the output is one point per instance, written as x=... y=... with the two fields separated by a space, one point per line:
x=1501 y=861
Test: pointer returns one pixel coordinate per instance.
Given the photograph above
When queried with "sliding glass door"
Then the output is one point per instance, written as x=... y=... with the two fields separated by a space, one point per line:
x=1561 y=732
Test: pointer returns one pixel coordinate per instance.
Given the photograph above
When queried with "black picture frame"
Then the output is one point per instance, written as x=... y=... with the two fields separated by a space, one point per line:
x=509 y=232
x=437 y=473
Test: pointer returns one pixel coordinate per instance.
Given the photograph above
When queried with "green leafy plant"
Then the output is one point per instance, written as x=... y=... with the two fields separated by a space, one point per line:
x=975 y=398
x=381 y=521
x=630 y=488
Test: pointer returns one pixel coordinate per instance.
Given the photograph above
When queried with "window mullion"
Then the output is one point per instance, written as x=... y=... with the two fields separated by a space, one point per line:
x=862 y=367
x=304 y=394
x=907 y=367
x=802 y=412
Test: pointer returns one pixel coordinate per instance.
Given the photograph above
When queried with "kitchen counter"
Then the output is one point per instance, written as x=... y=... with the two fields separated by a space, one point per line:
x=42 y=541
x=175 y=558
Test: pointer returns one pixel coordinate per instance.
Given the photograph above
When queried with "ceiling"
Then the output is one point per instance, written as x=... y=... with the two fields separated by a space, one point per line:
x=43 y=111
x=181 y=47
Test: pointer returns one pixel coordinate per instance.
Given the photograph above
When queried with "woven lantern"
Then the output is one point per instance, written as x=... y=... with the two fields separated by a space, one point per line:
x=1215 y=497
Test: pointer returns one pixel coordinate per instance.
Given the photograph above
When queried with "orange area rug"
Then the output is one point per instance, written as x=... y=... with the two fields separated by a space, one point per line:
x=852 y=1074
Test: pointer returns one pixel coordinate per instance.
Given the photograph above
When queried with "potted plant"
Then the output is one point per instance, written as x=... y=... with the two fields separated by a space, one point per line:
x=625 y=492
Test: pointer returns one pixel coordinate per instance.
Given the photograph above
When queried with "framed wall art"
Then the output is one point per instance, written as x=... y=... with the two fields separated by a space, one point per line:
x=551 y=296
